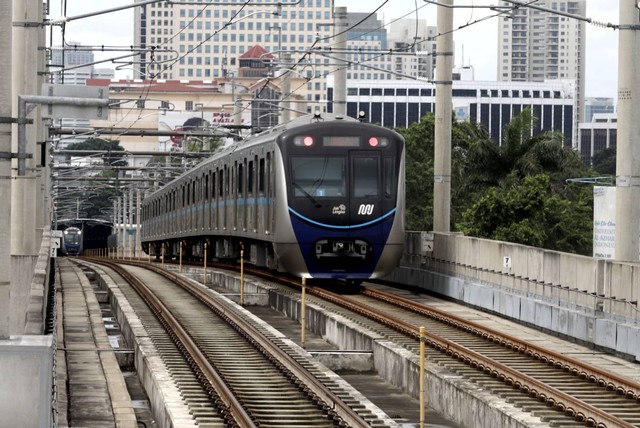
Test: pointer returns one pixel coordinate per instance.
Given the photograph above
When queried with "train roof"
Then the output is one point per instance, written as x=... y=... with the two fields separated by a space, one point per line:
x=263 y=136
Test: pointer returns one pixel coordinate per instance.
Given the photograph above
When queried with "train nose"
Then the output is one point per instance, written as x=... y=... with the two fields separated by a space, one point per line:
x=352 y=249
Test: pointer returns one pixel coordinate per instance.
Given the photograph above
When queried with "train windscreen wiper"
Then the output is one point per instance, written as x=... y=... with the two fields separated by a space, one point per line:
x=311 y=198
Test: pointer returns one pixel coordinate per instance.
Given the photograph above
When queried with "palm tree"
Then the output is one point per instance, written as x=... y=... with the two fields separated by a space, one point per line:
x=519 y=154
x=516 y=190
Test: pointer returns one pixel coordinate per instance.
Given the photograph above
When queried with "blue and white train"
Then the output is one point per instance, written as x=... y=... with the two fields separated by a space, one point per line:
x=72 y=241
x=316 y=197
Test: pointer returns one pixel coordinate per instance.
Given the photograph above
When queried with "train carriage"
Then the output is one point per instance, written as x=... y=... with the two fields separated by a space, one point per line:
x=317 y=197
x=72 y=241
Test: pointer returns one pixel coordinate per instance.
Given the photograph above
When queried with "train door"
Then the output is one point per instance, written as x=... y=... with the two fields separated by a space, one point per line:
x=366 y=199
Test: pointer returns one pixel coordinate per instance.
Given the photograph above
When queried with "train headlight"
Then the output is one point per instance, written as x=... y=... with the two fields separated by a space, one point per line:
x=378 y=142
x=303 y=141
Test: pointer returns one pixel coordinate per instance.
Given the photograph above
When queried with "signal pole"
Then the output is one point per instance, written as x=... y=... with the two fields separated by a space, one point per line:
x=628 y=145
x=442 y=155
x=5 y=166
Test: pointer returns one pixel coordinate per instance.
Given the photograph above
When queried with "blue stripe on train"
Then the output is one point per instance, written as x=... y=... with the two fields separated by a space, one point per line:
x=308 y=232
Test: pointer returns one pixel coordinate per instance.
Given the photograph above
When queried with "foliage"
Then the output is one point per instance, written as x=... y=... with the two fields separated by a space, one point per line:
x=107 y=146
x=604 y=162
x=515 y=190
x=420 y=148
x=419 y=174
x=529 y=212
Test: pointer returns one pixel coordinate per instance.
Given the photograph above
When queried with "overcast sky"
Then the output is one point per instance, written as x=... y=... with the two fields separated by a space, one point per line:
x=477 y=41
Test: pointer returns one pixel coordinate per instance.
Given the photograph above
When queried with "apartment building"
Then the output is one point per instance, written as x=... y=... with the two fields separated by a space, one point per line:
x=205 y=41
x=399 y=103
x=537 y=44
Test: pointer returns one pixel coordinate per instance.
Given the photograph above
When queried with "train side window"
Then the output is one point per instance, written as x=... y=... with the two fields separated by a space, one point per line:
x=261 y=176
x=250 y=179
x=206 y=186
x=220 y=183
x=389 y=177
x=240 y=178
x=213 y=185
x=365 y=176
x=183 y=197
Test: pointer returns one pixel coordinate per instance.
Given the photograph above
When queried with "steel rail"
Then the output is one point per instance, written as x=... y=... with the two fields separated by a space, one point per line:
x=612 y=382
x=230 y=407
x=571 y=406
x=334 y=405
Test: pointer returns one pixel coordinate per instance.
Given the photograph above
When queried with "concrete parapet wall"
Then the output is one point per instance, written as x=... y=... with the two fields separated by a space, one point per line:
x=26 y=363
x=584 y=317
x=524 y=269
x=35 y=315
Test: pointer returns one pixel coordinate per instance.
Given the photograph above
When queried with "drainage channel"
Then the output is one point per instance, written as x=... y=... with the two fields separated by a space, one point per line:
x=124 y=355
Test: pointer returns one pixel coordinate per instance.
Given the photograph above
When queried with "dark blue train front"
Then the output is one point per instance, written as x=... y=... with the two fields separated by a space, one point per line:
x=72 y=241
x=345 y=199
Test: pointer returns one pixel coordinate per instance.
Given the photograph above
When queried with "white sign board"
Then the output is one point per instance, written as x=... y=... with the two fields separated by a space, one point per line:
x=506 y=262
x=427 y=242
x=58 y=111
x=604 y=222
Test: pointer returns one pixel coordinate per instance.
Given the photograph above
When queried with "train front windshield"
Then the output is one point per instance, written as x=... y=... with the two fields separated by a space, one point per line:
x=319 y=176
x=72 y=237
x=324 y=176
x=342 y=176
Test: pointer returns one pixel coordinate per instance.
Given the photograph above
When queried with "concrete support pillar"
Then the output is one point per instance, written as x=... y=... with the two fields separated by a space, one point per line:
x=27 y=19
x=628 y=145
x=118 y=227
x=5 y=166
x=138 y=221
x=442 y=155
x=114 y=228
x=340 y=86
x=132 y=240
x=285 y=86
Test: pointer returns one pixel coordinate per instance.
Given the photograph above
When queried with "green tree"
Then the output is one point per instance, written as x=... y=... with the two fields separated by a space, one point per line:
x=515 y=191
x=419 y=173
x=527 y=211
x=488 y=162
x=604 y=162
x=420 y=148
x=106 y=146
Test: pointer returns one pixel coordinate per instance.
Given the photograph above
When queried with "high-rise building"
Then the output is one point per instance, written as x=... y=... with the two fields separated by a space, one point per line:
x=593 y=105
x=535 y=44
x=73 y=65
x=600 y=133
x=189 y=41
x=200 y=41
x=369 y=43
x=366 y=39
x=417 y=39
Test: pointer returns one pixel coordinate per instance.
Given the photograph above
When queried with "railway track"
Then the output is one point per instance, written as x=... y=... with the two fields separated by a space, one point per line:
x=229 y=370
x=563 y=391
x=566 y=391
